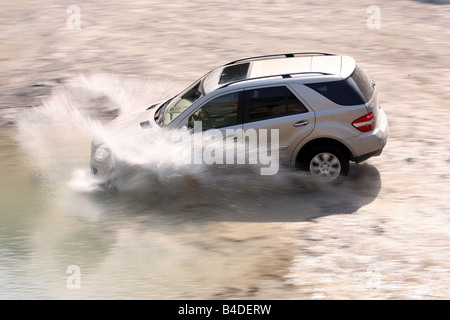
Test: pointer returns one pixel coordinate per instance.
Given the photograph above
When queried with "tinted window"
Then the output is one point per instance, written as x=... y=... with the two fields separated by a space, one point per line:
x=363 y=82
x=272 y=102
x=234 y=73
x=219 y=112
x=293 y=104
x=343 y=92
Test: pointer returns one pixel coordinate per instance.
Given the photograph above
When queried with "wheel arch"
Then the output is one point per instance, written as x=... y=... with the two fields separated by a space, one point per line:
x=318 y=142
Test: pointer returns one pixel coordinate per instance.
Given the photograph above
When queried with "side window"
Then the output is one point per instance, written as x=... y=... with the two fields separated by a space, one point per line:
x=342 y=92
x=272 y=102
x=293 y=104
x=219 y=112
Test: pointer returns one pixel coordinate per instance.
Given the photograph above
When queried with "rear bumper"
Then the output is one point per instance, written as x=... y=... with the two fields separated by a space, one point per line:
x=366 y=156
x=371 y=144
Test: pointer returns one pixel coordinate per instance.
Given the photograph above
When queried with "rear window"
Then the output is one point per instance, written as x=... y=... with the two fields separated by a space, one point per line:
x=347 y=92
x=364 y=83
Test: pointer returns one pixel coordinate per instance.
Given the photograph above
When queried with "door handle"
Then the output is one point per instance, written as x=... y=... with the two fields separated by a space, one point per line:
x=301 y=123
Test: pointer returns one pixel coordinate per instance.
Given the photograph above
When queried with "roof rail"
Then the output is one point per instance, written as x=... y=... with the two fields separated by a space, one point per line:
x=284 y=75
x=286 y=55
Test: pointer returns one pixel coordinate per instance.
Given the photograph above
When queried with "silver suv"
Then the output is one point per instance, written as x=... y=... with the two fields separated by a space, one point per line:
x=323 y=106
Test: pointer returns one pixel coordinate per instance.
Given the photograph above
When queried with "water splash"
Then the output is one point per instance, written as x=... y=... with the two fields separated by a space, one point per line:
x=55 y=137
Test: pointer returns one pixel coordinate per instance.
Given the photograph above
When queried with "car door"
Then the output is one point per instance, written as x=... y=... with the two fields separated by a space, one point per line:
x=276 y=109
x=214 y=125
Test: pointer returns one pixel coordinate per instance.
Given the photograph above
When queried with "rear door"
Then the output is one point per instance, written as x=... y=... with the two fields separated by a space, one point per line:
x=272 y=109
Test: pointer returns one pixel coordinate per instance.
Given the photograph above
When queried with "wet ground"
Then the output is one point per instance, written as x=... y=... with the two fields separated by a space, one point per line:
x=383 y=234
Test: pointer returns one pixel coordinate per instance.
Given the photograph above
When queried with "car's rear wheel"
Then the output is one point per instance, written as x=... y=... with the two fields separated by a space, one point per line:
x=327 y=164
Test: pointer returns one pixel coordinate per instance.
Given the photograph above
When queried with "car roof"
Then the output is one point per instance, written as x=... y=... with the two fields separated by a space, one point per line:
x=307 y=67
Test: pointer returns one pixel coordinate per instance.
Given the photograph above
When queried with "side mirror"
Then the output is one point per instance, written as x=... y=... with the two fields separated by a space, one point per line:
x=144 y=124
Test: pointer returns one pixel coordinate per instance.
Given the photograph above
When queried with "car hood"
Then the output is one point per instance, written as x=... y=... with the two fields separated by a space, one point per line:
x=128 y=125
x=142 y=120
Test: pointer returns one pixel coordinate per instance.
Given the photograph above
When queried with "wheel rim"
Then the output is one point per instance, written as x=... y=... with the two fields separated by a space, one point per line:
x=326 y=166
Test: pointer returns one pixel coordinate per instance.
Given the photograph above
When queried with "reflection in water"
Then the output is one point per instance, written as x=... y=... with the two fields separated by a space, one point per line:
x=164 y=234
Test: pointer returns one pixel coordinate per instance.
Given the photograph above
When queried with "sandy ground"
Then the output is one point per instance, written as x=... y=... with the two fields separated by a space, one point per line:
x=395 y=247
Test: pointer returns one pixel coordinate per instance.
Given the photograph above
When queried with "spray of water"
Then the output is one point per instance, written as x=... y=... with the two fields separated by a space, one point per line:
x=56 y=135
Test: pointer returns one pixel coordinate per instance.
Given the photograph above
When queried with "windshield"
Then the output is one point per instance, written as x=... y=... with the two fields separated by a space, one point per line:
x=173 y=107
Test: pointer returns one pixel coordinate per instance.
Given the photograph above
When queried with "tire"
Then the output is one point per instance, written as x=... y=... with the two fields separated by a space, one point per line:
x=326 y=164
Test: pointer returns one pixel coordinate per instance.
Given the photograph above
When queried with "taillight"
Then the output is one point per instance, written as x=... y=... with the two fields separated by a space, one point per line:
x=365 y=123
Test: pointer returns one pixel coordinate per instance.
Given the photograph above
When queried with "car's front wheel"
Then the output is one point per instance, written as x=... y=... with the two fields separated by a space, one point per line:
x=327 y=164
